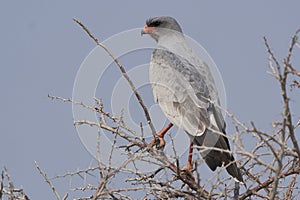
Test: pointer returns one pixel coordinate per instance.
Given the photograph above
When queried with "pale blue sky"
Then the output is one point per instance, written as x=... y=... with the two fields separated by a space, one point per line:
x=42 y=49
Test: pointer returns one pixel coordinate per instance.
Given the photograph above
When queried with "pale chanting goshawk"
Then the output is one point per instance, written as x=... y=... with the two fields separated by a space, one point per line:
x=186 y=92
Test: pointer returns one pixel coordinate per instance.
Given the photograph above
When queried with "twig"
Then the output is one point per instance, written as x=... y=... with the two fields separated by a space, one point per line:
x=137 y=94
x=287 y=122
x=289 y=193
x=287 y=111
x=292 y=170
x=99 y=161
x=78 y=172
x=287 y=118
x=154 y=153
x=66 y=196
x=2 y=184
x=48 y=181
x=110 y=174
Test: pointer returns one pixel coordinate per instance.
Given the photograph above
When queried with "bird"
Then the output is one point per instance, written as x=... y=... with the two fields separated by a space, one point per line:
x=185 y=89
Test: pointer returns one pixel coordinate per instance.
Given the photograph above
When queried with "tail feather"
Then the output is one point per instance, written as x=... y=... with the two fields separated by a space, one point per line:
x=215 y=158
x=234 y=171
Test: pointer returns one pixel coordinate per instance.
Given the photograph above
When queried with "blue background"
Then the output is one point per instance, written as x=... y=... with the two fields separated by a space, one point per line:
x=42 y=49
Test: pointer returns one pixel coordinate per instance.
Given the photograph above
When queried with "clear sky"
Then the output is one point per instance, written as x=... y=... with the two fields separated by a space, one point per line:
x=42 y=49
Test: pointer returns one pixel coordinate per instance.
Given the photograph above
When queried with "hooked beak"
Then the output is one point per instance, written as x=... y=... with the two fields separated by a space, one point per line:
x=148 y=30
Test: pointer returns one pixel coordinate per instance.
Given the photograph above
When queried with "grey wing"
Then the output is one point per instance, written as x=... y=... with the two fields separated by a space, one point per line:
x=174 y=82
x=204 y=78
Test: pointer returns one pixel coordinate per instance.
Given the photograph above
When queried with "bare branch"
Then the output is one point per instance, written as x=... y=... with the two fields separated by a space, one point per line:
x=265 y=157
x=137 y=94
x=250 y=192
x=48 y=181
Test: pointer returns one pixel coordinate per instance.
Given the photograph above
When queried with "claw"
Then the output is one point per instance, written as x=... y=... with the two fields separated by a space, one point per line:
x=187 y=173
x=158 y=142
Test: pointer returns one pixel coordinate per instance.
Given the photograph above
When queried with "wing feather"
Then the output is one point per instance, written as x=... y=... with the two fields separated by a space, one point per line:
x=181 y=91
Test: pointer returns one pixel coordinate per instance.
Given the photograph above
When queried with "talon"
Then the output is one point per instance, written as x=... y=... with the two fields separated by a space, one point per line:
x=158 y=142
x=187 y=173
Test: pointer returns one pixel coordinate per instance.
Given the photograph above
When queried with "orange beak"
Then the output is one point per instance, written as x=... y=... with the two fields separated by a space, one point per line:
x=148 y=30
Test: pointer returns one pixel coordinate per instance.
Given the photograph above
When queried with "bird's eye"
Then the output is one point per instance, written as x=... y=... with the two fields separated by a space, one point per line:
x=155 y=23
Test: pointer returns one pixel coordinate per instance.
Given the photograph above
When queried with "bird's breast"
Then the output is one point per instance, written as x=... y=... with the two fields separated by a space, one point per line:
x=166 y=84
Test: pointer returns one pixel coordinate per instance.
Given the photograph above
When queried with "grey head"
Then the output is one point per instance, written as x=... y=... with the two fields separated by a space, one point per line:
x=157 y=27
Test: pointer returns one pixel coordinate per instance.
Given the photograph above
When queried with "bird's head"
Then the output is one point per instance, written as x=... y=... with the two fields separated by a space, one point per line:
x=158 y=27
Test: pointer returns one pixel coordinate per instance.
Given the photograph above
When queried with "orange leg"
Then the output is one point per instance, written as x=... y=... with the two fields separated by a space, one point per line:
x=159 y=141
x=189 y=166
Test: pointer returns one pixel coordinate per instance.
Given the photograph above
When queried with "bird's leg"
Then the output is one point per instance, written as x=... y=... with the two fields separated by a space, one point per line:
x=189 y=166
x=187 y=170
x=159 y=140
